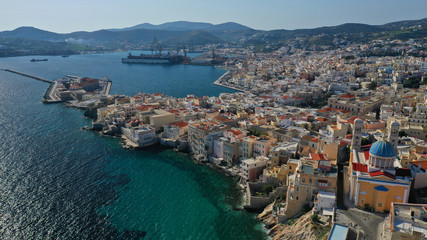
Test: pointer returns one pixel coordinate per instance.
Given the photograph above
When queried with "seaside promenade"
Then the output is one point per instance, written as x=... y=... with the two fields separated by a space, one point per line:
x=219 y=80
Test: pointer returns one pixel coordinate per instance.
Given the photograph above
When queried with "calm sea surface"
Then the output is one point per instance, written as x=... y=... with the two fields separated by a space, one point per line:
x=60 y=182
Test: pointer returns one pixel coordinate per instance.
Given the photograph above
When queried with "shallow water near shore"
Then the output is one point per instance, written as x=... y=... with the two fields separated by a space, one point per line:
x=61 y=182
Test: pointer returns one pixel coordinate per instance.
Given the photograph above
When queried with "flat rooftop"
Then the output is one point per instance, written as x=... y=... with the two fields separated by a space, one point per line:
x=338 y=232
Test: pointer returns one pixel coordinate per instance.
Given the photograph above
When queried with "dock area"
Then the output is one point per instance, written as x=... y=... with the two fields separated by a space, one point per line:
x=50 y=95
x=56 y=92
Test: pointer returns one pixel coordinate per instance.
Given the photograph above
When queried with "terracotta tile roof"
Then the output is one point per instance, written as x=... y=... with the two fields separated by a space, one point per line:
x=351 y=120
x=366 y=154
x=321 y=119
x=375 y=125
x=307 y=150
x=307 y=137
x=235 y=132
x=343 y=143
x=328 y=109
x=317 y=156
x=173 y=111
x=322 y=110
x=223 y=119
x=347 y=96
x=381 y=173
x=147 y=107
x=423 y=164
x=359 y=167
x=180 y=124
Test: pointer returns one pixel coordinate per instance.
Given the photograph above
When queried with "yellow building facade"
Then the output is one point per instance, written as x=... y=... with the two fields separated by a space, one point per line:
x=374 y=179
x=379 y=192
x=374 y=182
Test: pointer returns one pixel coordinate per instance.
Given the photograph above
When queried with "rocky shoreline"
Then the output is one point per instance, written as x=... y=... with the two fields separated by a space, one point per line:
x=226 y=171
x=297 y=228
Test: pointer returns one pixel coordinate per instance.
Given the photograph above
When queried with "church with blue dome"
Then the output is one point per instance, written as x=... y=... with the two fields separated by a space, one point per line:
x=372 y=179
x=382 y=155
x=382 y=149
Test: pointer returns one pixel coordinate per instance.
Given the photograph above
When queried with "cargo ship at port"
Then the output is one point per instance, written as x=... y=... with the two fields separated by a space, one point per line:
x=38 y=60
x=156 y=59
x=148 y=59
x=156 y=56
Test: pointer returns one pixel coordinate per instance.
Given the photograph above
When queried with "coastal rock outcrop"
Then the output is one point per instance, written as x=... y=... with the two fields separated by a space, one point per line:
x=301 y=228
x=267 y=216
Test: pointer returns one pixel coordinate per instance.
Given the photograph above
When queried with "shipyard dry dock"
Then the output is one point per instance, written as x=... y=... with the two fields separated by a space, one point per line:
x=70 y=88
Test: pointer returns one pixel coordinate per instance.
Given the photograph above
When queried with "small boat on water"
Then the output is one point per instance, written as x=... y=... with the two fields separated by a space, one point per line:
x=38 y=60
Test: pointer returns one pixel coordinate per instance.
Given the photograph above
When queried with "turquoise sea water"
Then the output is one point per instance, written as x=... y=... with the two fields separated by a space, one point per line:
x=60 y=182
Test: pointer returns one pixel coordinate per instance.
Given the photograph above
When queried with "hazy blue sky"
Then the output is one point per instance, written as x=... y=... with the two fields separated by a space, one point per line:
x=73 y=15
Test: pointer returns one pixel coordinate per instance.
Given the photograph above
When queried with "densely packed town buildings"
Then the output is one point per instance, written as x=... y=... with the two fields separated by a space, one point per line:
x=315 y=128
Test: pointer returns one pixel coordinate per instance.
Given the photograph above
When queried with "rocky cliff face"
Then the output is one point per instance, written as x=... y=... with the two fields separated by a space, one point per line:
x=267 y=216
x=301 y=228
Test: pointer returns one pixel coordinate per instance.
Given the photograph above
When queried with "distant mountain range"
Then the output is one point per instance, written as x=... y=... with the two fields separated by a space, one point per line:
x=198 y=33
x=175 y=33
x=390 y=29
x=186 y=26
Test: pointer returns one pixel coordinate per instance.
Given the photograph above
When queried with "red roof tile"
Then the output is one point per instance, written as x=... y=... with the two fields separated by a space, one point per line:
x=351 y=120
x=235 y=132
x=180 y=124
x=147 y=107
x=381 y=173
x=359 y=167
x=347 y=96
x=423 y=164
x=366 y=154
x=316 y=156
x=321 y=119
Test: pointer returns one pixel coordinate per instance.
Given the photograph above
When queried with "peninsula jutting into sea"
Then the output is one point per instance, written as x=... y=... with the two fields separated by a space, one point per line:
x=216 y=132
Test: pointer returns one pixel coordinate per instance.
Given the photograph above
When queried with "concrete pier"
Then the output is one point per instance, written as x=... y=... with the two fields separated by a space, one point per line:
x=29 y=76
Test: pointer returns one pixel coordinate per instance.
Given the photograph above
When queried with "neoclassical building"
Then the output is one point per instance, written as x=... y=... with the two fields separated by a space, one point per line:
x=375 y=175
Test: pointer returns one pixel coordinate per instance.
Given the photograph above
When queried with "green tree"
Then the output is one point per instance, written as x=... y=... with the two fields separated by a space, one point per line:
x=267 y=189
x=412 y=82
x=373 y=85
x=315 y=218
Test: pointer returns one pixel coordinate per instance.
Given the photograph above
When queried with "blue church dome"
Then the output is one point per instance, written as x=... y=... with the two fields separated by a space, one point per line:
x=382 y=149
